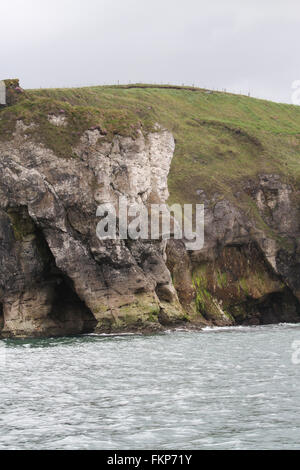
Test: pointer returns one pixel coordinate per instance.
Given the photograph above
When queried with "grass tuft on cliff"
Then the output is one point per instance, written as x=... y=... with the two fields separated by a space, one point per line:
x=222 y=139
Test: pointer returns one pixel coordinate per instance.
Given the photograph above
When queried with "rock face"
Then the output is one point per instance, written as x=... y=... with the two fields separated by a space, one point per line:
x=57 y=277
x=249 y=269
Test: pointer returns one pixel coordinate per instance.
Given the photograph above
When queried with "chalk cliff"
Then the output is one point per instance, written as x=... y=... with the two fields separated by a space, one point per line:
x=58 y=278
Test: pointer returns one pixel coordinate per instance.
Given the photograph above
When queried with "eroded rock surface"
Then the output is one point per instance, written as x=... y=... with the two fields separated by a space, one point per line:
x=249 y=269
x=56 y=276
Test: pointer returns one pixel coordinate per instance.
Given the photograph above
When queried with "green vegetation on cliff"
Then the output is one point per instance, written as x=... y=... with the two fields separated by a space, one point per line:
x=221 y=138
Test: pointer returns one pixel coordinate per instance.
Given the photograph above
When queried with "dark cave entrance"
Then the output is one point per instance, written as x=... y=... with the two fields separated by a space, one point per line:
x=277 y=307
x=68 y=310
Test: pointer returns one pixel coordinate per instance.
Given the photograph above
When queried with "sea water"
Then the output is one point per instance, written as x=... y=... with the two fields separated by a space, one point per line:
x=220 y=388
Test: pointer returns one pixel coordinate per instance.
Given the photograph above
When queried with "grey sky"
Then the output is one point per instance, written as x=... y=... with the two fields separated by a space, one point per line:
x=237 y=45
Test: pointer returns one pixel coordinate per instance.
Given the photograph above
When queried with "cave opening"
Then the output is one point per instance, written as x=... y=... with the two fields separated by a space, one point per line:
x=67 y=312
x=68 y=309
x=274 y=308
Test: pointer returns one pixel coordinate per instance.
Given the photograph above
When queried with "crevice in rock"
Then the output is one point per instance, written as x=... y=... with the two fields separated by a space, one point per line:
x=277 y=307
x=164 y=293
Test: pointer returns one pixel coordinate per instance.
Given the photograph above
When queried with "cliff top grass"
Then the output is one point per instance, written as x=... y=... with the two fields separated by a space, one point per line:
x=222 y=139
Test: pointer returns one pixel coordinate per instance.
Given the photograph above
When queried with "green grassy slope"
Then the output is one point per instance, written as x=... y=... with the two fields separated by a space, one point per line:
x=221 y=139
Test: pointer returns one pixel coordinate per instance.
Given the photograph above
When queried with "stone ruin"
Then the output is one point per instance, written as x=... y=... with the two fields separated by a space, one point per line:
x=2 y=93
x=10 y=92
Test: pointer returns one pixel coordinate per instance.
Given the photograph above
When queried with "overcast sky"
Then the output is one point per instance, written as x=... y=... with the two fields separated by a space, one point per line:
x=239 y=45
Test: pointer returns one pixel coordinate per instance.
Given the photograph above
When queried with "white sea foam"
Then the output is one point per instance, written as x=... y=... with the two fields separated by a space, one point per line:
x=110 y=334
x=224 y=328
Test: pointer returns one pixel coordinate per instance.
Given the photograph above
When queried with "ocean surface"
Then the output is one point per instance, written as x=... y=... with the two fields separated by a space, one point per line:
x=229 y=388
